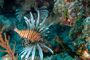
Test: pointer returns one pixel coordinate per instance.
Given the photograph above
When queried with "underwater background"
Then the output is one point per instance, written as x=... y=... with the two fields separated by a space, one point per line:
x=44 y=29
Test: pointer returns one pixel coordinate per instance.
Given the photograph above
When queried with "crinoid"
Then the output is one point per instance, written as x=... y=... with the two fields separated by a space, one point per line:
x=34 y=36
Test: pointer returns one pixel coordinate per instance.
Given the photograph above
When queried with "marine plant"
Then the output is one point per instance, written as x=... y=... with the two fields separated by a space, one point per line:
x=34 y=36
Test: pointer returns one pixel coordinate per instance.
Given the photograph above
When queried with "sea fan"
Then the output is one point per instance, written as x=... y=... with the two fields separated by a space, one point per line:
x=34 y=34
x=5 y=44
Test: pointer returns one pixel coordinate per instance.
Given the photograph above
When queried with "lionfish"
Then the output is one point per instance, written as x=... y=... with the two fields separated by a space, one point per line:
x=34 y=36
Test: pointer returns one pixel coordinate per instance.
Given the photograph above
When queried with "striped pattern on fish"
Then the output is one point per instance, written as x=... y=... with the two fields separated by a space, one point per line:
x=29 y=34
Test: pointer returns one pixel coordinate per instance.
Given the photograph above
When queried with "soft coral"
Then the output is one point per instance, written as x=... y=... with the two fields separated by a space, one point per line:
x=5 y=44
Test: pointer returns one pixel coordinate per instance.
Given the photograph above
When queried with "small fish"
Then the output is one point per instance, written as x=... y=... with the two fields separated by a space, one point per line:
x=64 y=46
x=60 y=42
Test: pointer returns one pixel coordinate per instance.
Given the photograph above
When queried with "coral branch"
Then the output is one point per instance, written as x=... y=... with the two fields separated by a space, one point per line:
x=5 y=44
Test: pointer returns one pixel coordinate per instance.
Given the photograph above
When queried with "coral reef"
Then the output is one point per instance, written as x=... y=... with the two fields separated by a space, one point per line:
x=81 y=33
x=45 y=27
x=71 y=11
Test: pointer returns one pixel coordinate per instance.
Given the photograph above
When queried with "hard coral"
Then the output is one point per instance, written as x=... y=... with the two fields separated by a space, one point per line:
x=81 y=36
x=34 y=36
x=81 y=29
x=86 y=30
x=71 y=11
x=83 y=52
